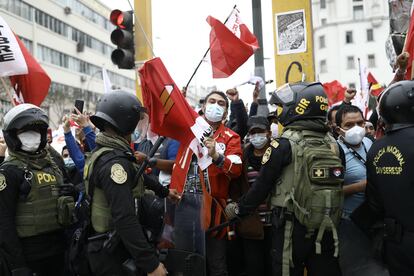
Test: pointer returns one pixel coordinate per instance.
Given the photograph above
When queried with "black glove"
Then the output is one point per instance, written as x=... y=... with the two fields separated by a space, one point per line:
x=22 y=271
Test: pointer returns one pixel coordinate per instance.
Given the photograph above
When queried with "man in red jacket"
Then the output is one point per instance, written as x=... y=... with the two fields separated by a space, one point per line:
x=224 y=148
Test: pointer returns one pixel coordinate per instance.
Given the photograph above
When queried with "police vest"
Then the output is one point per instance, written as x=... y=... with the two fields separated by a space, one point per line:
x=101 y=213
x=310 y=187
x=38 y=212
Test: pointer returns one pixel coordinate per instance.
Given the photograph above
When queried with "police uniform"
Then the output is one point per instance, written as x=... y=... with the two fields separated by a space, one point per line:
x=390 y=186
x=111 y=181
x=32 y=209
x=294 y=246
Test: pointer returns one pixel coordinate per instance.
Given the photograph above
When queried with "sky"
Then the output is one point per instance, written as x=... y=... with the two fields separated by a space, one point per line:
x=181 y=37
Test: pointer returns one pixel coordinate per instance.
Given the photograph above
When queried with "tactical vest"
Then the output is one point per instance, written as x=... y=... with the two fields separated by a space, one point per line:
x=310 y=188
x=38 y=212
x=101 y=213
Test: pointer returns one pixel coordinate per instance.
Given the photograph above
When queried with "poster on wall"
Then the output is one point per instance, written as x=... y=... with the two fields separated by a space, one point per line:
x=291 y=32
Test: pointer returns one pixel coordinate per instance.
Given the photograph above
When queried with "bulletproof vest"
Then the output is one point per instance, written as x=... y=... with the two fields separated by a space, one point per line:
x=310 y=187
x=101 y=213
x=37 y=212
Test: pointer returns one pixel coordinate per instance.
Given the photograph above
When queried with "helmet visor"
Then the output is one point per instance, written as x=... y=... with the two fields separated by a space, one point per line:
x=284 y=95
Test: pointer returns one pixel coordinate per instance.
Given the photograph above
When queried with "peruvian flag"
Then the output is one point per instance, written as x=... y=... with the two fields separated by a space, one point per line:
x=375 y=87
x=409 y=46
x=170 y=114
x=29 y=81
x=231 y=45
x=335 y=91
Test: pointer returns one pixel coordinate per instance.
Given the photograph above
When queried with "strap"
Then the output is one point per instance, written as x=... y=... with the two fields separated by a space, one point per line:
x=287 y=259
x=356 y=154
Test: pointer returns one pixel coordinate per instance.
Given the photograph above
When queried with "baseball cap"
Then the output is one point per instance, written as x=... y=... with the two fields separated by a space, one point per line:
x=258 y=122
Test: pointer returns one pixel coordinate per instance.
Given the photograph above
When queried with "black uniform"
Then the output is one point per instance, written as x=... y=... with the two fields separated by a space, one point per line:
x=390 y=193
x=44 y=254
x=133 y=242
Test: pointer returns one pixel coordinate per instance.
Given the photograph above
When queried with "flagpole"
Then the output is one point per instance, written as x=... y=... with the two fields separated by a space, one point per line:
x=8 y=91
x=365 y=112
x=205 y=54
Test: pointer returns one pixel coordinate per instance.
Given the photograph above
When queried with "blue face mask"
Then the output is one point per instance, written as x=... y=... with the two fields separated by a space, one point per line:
x=135 y=135
x=69 y=162
x=258 y=140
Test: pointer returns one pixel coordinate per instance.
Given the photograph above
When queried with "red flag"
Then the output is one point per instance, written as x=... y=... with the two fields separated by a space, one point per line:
x=335 y=91
x=376 y=88
x=409 y=46
x=34 y=86
x=230 y=47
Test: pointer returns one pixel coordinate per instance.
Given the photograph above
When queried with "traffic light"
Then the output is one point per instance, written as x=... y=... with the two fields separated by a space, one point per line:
x=123 y=38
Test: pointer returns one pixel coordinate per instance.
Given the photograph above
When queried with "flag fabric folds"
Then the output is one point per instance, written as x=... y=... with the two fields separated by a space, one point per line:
x=231 y=45
x=375 y=87
x=409 y=46
x=335 y=91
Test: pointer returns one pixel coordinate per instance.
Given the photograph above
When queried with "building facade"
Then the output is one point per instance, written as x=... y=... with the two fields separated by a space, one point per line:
x=348 y=30
x=71 y=41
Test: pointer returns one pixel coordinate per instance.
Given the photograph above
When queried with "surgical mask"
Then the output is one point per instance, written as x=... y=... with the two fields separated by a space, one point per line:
x=135 y=135
x=354 y=135
x=30 y=140
x=69 y=162
x=214 y=113
x=274 y=128
x=258 y=140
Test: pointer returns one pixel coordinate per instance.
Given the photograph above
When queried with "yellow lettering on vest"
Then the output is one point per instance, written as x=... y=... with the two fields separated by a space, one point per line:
x=52 y=178
x=45 y=178
x=39 y=178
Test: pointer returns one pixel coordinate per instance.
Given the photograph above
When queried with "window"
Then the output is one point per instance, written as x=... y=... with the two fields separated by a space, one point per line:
x=323 y=4
x=322 y=42
x=371 y=61
x=348 y=37
x=323 y=66
x=350 y=62
x=370 y=35
x=323 y=21
x=358 y=12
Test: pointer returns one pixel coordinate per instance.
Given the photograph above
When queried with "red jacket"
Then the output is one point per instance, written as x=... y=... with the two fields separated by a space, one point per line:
x=227 y=144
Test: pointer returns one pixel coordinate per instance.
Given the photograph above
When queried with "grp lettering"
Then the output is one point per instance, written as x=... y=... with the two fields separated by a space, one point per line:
x=45 y=178
x=303 y=104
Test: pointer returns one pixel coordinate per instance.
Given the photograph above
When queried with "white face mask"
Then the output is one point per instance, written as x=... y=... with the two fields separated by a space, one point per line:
x=258 y=140
x=30 y=140
x=274 y=128
x=354 y=135
x=214 y=113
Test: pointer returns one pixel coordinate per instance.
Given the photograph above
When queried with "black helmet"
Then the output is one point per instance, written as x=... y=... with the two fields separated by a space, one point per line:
x=300 y=101
x=120 y=109
x=396 y=105
x=24 y=117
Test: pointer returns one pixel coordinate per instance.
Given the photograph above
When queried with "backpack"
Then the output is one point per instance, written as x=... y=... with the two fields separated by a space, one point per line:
x=310 y=187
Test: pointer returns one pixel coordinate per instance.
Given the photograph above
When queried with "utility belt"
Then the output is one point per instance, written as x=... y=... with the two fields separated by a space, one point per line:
x=265 y=214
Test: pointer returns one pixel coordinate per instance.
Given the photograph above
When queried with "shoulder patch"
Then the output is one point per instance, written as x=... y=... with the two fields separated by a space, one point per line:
x=274 y=144
x=266 y=155
x=3 y=183
x=118 y=174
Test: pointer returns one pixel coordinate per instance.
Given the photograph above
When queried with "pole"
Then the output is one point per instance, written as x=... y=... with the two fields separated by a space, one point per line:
x=150 y=154
x=263 y=109
x=205 y=54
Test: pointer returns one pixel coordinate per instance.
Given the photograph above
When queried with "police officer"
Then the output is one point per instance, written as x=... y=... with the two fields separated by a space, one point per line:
x=118 y=245
x=303 y=174
x=390 y=186
x=32 y=210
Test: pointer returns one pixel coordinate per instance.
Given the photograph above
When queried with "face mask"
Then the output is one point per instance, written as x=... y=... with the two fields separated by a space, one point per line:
x=214 y=113
x=258 y=140
x=30 y=140
x=354 y=135
x=69 y=162
x=135 y=135
x=274 y=128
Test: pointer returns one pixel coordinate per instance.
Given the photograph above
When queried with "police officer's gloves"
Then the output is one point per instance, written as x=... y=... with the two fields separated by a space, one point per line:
x=22 y=271
x=232 y=210
x=67 y=189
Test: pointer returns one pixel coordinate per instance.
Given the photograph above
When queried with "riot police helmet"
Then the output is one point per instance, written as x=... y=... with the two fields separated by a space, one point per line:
x=396 y=105
x=119 y=110
x=24 y=117
x=300 y=101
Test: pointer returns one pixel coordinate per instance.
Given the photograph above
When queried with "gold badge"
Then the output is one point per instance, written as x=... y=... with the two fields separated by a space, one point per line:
x=118 y=174
x=266 y=155
x=3 y=183
x=274 y=144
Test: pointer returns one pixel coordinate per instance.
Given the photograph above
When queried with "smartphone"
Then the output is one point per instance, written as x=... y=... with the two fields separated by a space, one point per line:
x=79 y=106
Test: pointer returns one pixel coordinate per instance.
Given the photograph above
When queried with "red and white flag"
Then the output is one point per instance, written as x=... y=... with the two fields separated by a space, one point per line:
x=335 y=92
x=362 y=97
x=231 y=45
x=170 y=114
x=375 y=87
x=409 y=46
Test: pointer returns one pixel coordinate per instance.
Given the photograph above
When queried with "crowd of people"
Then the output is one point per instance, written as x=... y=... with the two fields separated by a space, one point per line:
x=307 y=188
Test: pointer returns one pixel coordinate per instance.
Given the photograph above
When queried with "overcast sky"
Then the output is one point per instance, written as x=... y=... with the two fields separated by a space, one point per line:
x=181 y=37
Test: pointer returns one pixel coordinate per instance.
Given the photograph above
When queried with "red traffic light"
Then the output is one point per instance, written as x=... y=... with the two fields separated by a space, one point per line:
x=123 y=20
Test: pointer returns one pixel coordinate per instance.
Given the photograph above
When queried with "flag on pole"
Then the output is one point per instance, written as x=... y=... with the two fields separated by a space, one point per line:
x=231 y=45
x=375 y=87
x=106 y=81
x=170 y=114
x=362 y=97
x=335 y=91
x=409 y=47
